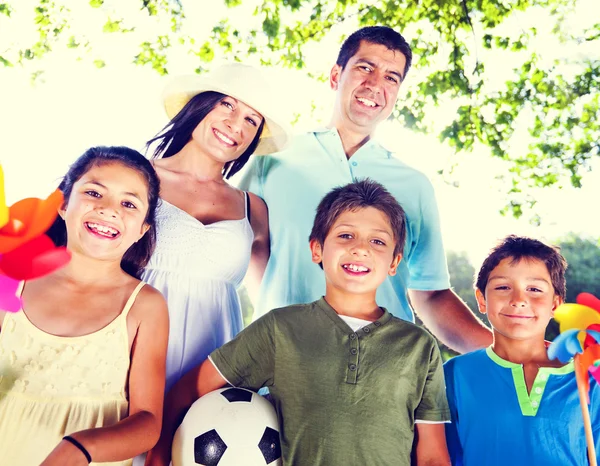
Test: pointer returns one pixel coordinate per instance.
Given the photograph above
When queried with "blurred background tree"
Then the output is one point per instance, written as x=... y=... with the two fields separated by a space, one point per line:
x=497 y=68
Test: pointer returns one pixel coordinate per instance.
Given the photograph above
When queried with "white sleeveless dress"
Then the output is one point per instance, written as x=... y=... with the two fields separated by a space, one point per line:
x=198 y=268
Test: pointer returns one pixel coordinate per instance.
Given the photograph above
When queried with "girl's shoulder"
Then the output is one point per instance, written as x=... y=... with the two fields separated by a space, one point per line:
x=149 y=304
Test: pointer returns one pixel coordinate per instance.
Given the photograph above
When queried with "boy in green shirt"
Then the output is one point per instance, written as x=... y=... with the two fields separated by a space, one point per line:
x=352 y=384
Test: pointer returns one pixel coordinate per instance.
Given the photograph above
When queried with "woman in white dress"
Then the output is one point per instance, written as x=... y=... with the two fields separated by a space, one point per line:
x=208 y=232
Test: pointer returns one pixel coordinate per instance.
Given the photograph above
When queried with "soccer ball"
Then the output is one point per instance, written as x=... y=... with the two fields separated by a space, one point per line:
x=228 y=427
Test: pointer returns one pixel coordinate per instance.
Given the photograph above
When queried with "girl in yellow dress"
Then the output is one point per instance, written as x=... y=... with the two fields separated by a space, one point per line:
x=82 y=365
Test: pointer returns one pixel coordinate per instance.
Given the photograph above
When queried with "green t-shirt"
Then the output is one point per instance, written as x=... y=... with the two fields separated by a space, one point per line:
x=342 y=397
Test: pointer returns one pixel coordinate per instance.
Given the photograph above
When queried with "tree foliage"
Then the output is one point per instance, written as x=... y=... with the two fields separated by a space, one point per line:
x=583 y=257
x=458 y=47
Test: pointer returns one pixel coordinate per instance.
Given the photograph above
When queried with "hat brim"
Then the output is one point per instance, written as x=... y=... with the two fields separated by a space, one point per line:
x=275 y=135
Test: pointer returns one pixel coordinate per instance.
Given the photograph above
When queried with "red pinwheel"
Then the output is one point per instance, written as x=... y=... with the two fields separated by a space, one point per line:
x=25 y=251
x=579 y=339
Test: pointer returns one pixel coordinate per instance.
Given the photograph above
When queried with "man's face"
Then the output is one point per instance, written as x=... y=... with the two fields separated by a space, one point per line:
x=367 y=87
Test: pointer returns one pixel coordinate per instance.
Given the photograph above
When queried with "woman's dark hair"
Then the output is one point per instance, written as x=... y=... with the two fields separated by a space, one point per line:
x=178 y=131
x=138 y=255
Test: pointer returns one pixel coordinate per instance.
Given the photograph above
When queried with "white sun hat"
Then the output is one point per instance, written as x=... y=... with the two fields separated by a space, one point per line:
x=242 y=82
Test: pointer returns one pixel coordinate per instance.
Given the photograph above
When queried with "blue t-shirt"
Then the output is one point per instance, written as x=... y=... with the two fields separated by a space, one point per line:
x=495 y=422
x=294 y=181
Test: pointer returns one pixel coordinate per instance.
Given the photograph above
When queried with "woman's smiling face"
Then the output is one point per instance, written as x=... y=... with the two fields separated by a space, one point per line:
x=228 y=129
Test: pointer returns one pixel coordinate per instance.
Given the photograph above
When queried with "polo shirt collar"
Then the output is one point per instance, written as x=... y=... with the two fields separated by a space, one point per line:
x=371 y=145
x=337 y=320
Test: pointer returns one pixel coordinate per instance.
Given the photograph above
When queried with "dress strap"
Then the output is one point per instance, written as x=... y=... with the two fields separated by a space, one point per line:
x=247 y=205
x=131 y=299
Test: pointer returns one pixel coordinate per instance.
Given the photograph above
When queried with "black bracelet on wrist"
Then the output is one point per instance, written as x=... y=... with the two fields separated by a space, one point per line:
x=81 y=448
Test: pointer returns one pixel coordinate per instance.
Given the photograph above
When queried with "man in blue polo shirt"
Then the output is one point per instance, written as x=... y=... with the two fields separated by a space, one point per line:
x=370 y=68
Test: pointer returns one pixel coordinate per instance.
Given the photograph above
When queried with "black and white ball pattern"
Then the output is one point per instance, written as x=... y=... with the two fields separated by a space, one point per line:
x=227 y=427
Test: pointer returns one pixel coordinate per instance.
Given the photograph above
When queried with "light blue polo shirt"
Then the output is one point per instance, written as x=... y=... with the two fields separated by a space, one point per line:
x=496 y=422
x=294 y=181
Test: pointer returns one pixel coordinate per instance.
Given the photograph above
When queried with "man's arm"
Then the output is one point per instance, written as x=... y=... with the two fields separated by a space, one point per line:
x=450 y=320
x=431 y=445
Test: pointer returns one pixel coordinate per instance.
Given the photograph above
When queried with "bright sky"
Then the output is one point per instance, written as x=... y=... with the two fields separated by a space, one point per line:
x=45 y=127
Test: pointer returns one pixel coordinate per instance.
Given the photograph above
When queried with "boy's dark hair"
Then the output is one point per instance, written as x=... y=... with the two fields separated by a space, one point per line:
x=381 y=35
x=358 y=195
x=518 y=248
x=138 y=255
x=178 y=132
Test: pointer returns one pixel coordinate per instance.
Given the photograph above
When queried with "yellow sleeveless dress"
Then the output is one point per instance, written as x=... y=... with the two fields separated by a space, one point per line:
x=53 y=386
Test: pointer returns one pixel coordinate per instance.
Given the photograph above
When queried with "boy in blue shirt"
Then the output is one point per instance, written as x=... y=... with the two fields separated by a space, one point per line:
x=510 y=404
x=351 y=384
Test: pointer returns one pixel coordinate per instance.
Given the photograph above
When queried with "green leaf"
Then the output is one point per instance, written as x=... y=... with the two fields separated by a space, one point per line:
x=5 y=9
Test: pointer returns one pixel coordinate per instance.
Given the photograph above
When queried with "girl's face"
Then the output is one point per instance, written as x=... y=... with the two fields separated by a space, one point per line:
x=227 y=131
x=106 y=211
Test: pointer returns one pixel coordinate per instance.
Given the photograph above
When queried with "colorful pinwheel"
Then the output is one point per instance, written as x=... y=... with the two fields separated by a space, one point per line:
x=579 y=339
x=25 y=251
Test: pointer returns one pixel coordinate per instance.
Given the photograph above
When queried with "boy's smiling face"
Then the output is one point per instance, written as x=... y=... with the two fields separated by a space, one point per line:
x=358 y=253
x=519 y=299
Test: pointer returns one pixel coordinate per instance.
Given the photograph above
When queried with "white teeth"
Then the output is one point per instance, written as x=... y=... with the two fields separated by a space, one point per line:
x=103 y=229
x=356 y=268
x=367 y=102
x=224 y=138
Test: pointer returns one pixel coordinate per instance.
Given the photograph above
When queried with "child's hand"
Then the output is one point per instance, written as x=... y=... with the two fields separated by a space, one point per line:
x=65 y=454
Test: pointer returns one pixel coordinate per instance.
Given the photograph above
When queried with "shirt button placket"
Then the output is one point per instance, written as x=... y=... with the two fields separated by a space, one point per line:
x=352 y=165
x=352 y=368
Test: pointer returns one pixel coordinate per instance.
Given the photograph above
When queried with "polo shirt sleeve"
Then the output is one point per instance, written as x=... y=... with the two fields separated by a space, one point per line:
x=452 y=438
x=252 y=176
x=427 y=265
x=248 y=360
x=433 y=407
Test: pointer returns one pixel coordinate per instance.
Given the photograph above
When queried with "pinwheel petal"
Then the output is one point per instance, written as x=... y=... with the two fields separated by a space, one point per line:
x=9 y=301
x=590 y=356
x=33 y=259
x=575 y=316
x=595 y=373
x=589 y=300
x=592 y=335
x=29 y=218
x=565 y=346
x=48 y=262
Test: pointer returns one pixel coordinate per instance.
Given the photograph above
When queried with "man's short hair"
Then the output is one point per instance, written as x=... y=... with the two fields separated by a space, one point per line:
x=381 y=35
x=359 y=195
x=519 y=248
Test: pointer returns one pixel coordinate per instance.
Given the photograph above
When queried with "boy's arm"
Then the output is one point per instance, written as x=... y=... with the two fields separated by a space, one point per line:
x=246 y=361
x=196 y=383
x=431 y=447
